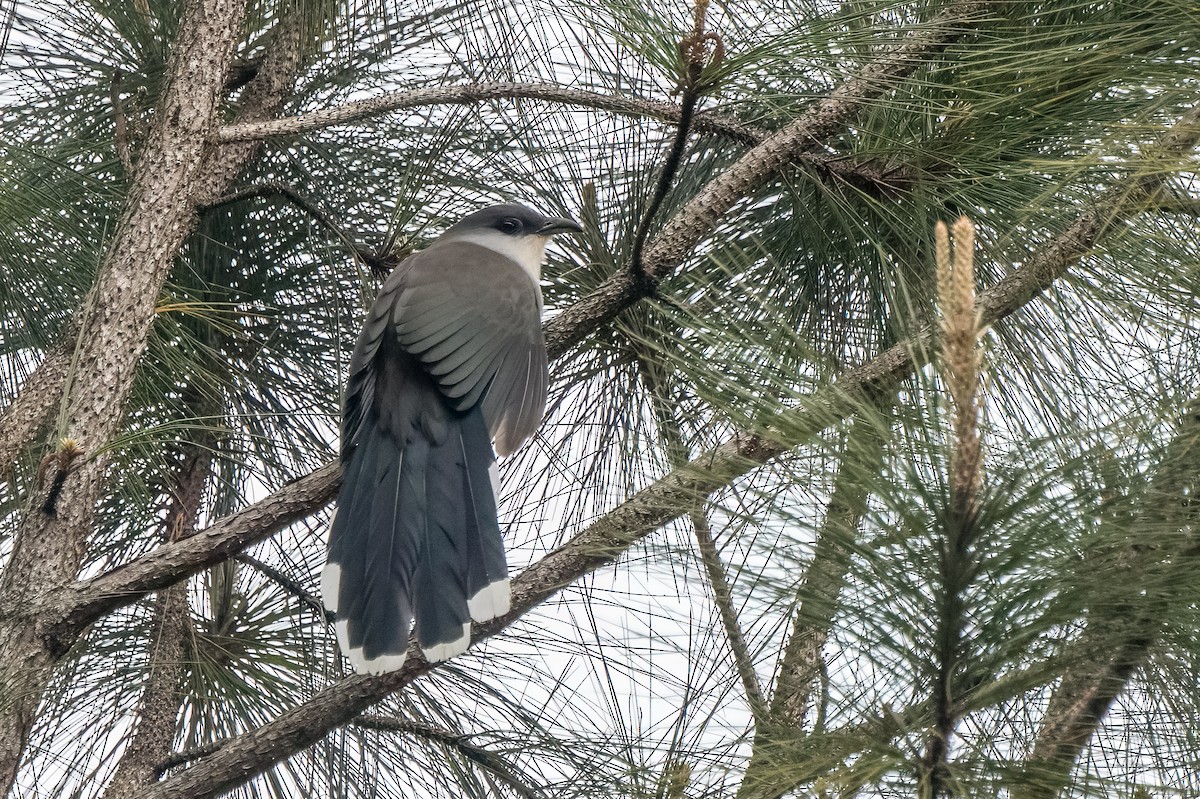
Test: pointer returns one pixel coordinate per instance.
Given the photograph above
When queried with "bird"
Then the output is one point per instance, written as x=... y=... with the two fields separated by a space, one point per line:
x=449 y=371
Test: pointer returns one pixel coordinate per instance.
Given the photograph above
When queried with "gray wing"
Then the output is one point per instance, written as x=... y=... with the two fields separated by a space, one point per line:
x=361 y=382
x=473 y=319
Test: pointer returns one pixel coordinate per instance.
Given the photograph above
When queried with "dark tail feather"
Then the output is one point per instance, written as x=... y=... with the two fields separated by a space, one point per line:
x=415 y=537
x=372 y=551
x=487 y=569
x=440 y=591
x=462 y=575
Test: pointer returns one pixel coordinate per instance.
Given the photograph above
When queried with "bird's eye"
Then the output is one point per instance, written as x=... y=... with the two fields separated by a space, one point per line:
x=510 y=225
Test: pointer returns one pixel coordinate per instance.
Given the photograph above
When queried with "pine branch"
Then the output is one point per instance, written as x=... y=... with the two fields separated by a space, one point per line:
x=293 y=587
x=1120 y=633
x=817 y=602
x=88 y=600
x=700 y=217
x=473 y=93
x=876 y=179
x=487 y=760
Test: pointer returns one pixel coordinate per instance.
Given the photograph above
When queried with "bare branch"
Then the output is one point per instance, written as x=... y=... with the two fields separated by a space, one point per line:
x=487 y=760
x=696 y=57
x=86 y=601
x=472 y=93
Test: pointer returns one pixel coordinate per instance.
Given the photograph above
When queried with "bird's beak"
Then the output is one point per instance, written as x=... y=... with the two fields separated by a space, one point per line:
x=558 y=224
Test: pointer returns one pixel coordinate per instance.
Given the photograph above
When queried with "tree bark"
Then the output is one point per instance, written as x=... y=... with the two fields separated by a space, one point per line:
x=158 y=708
x=50 y=540
x=29 y=410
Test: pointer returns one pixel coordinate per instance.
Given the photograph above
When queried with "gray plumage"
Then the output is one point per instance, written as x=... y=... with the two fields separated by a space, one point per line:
x=450 y=360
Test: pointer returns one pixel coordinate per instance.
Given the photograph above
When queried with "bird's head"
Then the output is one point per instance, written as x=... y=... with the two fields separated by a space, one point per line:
x=513 y=230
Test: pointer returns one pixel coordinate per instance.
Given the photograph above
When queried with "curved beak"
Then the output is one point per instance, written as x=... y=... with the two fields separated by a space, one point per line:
x=558 y=224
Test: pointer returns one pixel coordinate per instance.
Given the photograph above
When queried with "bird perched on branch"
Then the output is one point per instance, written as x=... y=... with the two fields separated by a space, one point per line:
x=450 y=362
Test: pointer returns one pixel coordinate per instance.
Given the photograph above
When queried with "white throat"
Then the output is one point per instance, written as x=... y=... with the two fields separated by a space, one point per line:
x=528 y=251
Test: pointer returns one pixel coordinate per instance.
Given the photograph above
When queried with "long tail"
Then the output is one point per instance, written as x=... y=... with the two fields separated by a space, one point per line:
x=415 y=537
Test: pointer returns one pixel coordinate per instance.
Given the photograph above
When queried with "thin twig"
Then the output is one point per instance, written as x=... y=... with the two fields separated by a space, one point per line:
x=270 y=189
x=692 y=48
x=484 y=758
x=285 y=582
x=677 y=455
x=482 y=92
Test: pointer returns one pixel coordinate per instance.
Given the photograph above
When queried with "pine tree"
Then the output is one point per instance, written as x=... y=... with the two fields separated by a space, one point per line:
x=829 y=501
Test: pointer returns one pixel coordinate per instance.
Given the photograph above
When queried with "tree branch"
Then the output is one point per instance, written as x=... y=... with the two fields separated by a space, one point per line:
x=39 y=396
x=305 y=204
x=473 y=93
x=703 y=213
x=868 y=176
x=293 y=587
x=88 y=600
x=487 y=760
x=649 y=369
x=817 y=602
x=1120 y=633
x=605 y=540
